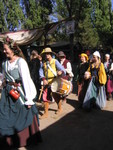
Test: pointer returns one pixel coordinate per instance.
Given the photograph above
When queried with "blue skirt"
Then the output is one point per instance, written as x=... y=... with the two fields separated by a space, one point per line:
x=14 y=116
x=95 y=94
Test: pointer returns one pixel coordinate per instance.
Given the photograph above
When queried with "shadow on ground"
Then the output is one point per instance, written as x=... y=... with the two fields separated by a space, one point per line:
x=79 y=130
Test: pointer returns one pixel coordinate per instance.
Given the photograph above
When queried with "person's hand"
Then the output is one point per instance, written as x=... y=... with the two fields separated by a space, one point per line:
x=87 y=75
x=59 y=73
x=39 y=57
x=45 y=82
x=29 y=106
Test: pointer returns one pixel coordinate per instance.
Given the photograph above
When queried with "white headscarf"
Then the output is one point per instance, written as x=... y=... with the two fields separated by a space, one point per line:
x=96 y=53
x=107 y=55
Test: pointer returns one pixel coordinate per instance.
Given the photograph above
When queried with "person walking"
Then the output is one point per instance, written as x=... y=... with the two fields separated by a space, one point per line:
x=68 y=68
x=95 y=94
x=82 y=83
x=109 y=83
x=34 y=65
x=49 y=70
x=19 y=123
x=67 y=65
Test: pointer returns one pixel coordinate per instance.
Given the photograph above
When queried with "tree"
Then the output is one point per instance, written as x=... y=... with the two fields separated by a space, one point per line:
x=36 y=12
x=3 y=25
x=24 y=14
x=101 y=17
x=13 y=14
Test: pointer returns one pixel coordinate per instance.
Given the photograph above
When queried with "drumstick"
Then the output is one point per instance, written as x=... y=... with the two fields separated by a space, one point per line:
x=40 y=93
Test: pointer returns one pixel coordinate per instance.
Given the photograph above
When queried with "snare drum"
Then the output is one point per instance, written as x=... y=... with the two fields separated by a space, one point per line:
x=61 y=86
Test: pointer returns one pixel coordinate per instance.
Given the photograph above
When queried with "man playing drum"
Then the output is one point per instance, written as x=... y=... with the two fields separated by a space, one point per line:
x=50 y=69
x=67 y=65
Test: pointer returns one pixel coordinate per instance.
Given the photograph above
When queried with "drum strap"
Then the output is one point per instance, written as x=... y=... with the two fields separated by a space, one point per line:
x=55 y=74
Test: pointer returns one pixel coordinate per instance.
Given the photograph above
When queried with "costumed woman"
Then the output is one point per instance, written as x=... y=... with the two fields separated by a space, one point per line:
x=82 y=83
x=34 y=65
x=19 y=123
x=95 y=94
x=109 y=83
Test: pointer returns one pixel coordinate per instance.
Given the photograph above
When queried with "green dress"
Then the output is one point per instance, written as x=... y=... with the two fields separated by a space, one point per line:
x=14 y=115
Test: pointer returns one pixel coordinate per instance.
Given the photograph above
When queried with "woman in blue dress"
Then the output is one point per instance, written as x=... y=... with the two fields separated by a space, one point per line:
x=19 y=125
x=95 y=94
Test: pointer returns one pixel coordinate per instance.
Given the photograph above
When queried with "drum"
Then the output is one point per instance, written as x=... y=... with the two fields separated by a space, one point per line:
x=61 y=86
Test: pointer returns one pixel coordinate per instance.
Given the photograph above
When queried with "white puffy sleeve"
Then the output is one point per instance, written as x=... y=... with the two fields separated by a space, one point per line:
x=69 y=69
x=111 y=67
x=28 y=85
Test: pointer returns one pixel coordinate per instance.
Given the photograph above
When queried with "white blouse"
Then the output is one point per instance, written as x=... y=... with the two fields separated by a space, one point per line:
x=29 y=87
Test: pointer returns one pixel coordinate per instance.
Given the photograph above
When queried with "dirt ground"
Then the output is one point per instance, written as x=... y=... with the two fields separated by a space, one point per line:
x=76 y=129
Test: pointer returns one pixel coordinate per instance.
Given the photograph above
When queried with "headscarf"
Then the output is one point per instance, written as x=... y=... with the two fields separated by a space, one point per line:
x=96 y=53
x=107 y=55
x=84 y=55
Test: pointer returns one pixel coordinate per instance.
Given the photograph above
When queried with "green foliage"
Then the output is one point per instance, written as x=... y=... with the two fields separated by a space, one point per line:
x=3 y=25
x=24 y=14
x=93 y=19
x=37 y=12
x=13 y=14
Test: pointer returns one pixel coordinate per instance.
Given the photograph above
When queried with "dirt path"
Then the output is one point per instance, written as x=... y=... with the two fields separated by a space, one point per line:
x=76 y=129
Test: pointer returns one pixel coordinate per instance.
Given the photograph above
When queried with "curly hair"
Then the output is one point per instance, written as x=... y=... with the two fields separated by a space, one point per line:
x=13 y=46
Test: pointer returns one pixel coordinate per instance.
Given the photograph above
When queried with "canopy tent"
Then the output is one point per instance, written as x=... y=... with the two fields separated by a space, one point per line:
x=23 y=37
x=26 y=37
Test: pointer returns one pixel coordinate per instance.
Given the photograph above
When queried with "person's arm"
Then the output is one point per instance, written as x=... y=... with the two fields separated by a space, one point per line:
x=69 y=69
x=41 y=74
x=28 y=85
x=102 y=75
x=60 y=67
x=111 y=69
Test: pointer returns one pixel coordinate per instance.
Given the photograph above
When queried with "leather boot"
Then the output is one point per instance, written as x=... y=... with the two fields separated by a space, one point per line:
x=46 y=106
x=59 y=111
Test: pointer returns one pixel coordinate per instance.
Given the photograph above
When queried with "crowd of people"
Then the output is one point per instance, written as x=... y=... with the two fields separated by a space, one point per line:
x=53 y=74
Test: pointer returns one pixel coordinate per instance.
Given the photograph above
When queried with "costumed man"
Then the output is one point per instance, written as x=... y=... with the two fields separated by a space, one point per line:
x=49 y=69
x=68 y=68
x=67 y=65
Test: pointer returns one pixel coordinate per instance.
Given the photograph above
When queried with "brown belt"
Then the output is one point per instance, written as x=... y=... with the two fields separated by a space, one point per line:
x=13 y=83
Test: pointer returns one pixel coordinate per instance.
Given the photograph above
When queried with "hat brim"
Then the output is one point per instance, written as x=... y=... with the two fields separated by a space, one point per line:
x=62 y=55
x=43 y=53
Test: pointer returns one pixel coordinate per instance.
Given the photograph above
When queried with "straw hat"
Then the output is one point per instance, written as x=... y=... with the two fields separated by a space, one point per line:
x=47 y=50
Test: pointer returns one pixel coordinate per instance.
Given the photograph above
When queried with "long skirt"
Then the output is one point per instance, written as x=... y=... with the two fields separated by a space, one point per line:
x=28 y=136
x=19 y=126
x=95 y=95
x=82 y=88
x=109 y=86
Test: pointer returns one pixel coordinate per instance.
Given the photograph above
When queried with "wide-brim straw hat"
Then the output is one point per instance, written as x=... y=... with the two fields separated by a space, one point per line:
x=47 y=50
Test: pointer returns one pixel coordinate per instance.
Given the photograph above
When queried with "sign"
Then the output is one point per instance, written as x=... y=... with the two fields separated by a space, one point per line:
x=70 y=27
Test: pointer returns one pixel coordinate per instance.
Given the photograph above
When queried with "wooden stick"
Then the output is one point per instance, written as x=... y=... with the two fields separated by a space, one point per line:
x=40 y=93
